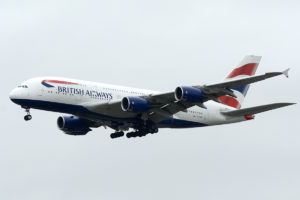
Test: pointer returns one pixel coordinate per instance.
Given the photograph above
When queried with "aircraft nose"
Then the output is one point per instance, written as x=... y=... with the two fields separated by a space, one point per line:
x=13 y=94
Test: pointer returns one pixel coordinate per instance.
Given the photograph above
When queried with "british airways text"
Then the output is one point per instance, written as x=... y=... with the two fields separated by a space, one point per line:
x=91 y=93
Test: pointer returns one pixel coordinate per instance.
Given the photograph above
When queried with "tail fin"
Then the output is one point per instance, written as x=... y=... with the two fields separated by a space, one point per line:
x=247 y=67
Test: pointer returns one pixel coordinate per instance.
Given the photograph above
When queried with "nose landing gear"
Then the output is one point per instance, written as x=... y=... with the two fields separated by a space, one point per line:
x=27 y=117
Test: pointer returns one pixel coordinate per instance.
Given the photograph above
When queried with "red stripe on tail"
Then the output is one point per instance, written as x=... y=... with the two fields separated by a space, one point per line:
x=248 y=69
x=230 y=101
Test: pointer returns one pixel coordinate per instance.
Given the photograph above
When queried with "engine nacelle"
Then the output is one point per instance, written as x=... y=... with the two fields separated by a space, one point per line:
x=190 y=94
x=72 y=125
x=135 y=104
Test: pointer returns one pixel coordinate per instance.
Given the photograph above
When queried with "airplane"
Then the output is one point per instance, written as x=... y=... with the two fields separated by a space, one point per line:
x=139 y=111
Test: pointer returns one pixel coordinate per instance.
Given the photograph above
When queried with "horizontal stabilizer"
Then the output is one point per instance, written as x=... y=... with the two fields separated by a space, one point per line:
x=255 y=110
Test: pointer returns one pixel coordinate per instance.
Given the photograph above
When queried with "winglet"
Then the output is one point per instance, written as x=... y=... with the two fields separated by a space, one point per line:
x=286 y=72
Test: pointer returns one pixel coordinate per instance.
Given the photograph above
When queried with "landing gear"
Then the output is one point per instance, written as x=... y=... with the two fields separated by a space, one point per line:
x=117 y=134
x=153 y=130
x=140 y=130
x=27 y=117
x=141 y=133
x=136 y=134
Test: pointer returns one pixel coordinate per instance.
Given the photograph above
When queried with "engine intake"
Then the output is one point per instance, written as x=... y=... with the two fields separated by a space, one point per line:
x=135 y=104
x=72 y=125
x=190 y=94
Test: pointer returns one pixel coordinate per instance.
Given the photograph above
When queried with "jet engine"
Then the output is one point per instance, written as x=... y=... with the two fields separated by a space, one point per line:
x=135 y=104
x=72 y=125
x=189 y=94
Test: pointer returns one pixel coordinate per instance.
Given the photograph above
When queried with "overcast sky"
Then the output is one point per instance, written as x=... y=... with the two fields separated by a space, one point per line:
x=155 y=45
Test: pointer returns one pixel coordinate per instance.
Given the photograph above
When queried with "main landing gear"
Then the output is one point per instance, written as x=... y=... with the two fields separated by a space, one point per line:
x=27 y=117
x=141 y=133
x=117 y=134
x=137 y=133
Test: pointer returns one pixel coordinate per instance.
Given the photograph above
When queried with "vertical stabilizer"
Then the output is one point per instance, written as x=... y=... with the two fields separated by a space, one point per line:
x=247 y=67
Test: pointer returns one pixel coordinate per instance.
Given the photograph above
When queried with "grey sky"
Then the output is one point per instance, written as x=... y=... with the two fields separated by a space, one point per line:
x=153 y=45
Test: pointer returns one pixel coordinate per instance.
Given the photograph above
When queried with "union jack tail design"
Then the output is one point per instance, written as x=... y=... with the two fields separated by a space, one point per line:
x=246 y=68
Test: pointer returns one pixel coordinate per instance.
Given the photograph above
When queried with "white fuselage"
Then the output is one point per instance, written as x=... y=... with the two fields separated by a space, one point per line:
x=35 y=92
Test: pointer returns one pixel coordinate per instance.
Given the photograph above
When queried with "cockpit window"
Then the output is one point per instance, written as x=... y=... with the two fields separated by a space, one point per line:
x=22 y=86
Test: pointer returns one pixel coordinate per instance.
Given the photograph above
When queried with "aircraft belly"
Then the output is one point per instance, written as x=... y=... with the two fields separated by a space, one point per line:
x=115 y=113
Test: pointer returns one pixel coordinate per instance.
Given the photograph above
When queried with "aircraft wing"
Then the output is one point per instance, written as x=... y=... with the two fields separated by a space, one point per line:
x=255 y=110
x=164 y=105
x=112 y=108
x=220 y=89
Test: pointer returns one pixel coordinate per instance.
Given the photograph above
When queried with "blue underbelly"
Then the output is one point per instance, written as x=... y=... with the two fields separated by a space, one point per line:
x=83 y=112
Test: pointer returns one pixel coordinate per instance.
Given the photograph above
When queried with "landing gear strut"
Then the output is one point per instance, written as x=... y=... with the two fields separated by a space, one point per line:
x=27 y=116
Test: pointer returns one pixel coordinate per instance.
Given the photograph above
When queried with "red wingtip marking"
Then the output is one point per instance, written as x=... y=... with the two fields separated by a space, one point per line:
x=249 y=117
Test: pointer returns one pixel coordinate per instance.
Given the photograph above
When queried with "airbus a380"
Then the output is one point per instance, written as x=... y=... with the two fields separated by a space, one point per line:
x=140 y=111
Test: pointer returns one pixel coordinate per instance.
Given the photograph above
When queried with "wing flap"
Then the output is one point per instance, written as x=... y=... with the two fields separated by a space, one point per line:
x=255 y=110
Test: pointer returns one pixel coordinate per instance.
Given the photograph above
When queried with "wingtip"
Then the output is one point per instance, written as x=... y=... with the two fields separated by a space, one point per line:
x=288 y=104
x=286 y=72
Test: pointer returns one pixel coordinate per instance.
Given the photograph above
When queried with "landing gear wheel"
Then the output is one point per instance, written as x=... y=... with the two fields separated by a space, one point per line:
x=131 y=134
x=155 y=130
x=27 y=117
x=136 y=134
x=116 y=135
